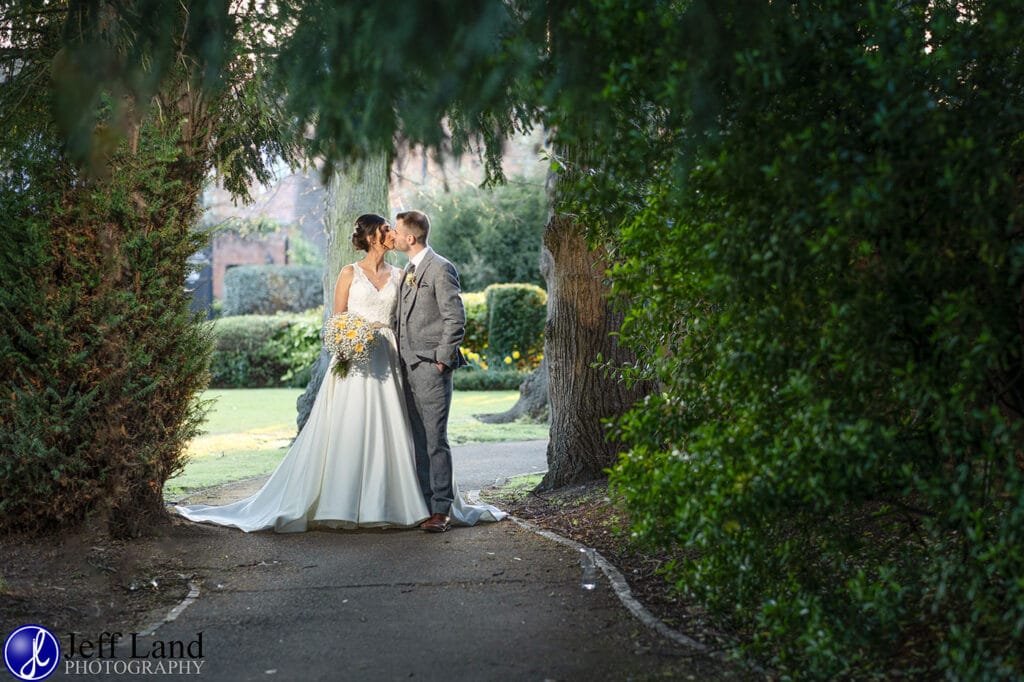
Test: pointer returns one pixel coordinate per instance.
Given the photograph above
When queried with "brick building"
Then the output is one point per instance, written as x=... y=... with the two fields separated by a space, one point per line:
x=297 y=201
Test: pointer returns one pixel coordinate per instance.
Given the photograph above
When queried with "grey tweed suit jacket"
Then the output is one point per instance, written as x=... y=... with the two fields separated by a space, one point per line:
x=430 y=320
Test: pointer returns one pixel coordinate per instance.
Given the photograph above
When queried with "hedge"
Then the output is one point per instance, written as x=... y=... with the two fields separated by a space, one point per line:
x=268 y=289
x=516 y=315
x=475 y=303
x=260 y=351
x=471 y=379
x=832 y=310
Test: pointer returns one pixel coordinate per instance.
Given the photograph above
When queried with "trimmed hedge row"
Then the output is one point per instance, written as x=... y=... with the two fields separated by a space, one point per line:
x=488 y=380
x=268 y=289
x=262 y=351
x=516 y=314
x=476 y=319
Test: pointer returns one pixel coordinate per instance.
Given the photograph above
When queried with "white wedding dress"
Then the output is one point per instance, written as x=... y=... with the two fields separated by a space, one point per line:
x=353 y=463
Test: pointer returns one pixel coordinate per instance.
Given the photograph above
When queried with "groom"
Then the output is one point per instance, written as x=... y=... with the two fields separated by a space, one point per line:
x=430 y=325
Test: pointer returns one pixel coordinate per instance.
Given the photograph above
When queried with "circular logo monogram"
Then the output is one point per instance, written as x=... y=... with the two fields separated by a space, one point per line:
x=31 y=652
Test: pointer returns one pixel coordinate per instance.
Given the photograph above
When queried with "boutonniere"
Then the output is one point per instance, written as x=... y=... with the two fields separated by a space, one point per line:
x=410 y=280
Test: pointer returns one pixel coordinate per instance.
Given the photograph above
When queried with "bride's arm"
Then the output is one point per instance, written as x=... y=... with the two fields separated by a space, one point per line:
x=341 y=288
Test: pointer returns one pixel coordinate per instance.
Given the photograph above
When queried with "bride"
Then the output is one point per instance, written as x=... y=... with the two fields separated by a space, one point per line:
x=352 y=465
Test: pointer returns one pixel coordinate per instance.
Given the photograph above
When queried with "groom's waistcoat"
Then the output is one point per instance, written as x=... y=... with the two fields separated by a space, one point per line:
x=430 y=317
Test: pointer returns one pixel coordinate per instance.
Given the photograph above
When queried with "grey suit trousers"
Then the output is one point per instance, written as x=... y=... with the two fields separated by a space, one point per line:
x=428 y=394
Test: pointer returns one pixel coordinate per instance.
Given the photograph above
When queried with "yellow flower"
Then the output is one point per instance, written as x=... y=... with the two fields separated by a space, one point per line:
x=516 y=355
x=359 y=348
x=508 y=360
x=351 y=334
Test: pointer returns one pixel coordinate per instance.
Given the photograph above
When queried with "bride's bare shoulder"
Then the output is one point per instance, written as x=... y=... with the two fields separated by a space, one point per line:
x=347 y=273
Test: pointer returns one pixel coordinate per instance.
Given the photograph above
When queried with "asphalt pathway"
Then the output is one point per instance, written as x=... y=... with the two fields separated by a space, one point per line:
x=492 y=602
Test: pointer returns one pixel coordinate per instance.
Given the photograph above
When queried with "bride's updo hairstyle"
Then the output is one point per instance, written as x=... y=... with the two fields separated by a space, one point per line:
x=367 y=227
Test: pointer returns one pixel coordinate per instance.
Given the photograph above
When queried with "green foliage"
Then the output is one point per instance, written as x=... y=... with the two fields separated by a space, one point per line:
x=467 y=379
x=508 y=366
x=491 y=235
x=302 y=251
x=475 y=304
x=116 y=60
x=258 y=351
x=104 y=361
x=452 y=76
x=443 y=64
x=102 y=356
x=516 y=314
x=263 y=351
x=267 y=289
x=833 y=313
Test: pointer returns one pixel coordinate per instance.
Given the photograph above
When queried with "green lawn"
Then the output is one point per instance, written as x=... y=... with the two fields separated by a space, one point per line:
x=248 y=431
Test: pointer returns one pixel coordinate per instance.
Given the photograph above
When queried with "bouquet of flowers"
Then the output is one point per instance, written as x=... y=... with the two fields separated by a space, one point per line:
x=347 y=337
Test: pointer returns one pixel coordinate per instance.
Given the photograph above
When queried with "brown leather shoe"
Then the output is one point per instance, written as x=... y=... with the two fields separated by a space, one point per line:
x=437 y=523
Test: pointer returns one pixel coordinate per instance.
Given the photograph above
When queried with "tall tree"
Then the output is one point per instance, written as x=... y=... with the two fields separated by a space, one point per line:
x=101 y=180
x=581 y=351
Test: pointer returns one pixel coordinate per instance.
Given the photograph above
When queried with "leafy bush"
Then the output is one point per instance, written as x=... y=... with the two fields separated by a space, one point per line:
x=467 y=379
x=267 y=289
x=476 y=320
x=257 y=351
x=298 y=345
x=516 y=314
x=491 y=235
x=835 y=322
x=301 y=251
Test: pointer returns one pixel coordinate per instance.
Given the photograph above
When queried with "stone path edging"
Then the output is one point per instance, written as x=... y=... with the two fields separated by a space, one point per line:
x=193 y=594
x=615 y=577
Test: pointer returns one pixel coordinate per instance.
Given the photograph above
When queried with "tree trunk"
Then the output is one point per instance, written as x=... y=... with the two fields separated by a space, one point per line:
x=360 y=188
x=579 y=330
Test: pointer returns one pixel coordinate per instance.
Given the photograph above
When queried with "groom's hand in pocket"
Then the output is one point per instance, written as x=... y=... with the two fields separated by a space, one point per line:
x=441 y=367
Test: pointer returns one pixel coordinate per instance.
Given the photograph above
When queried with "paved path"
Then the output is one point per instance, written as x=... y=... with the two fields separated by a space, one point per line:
x=478 y=465
x=493 y=602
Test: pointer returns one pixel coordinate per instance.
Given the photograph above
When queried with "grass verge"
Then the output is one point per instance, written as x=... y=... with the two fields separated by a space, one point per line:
x=248 y=432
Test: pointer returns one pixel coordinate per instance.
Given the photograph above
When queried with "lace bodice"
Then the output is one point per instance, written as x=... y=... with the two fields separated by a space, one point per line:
x=367 y=301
